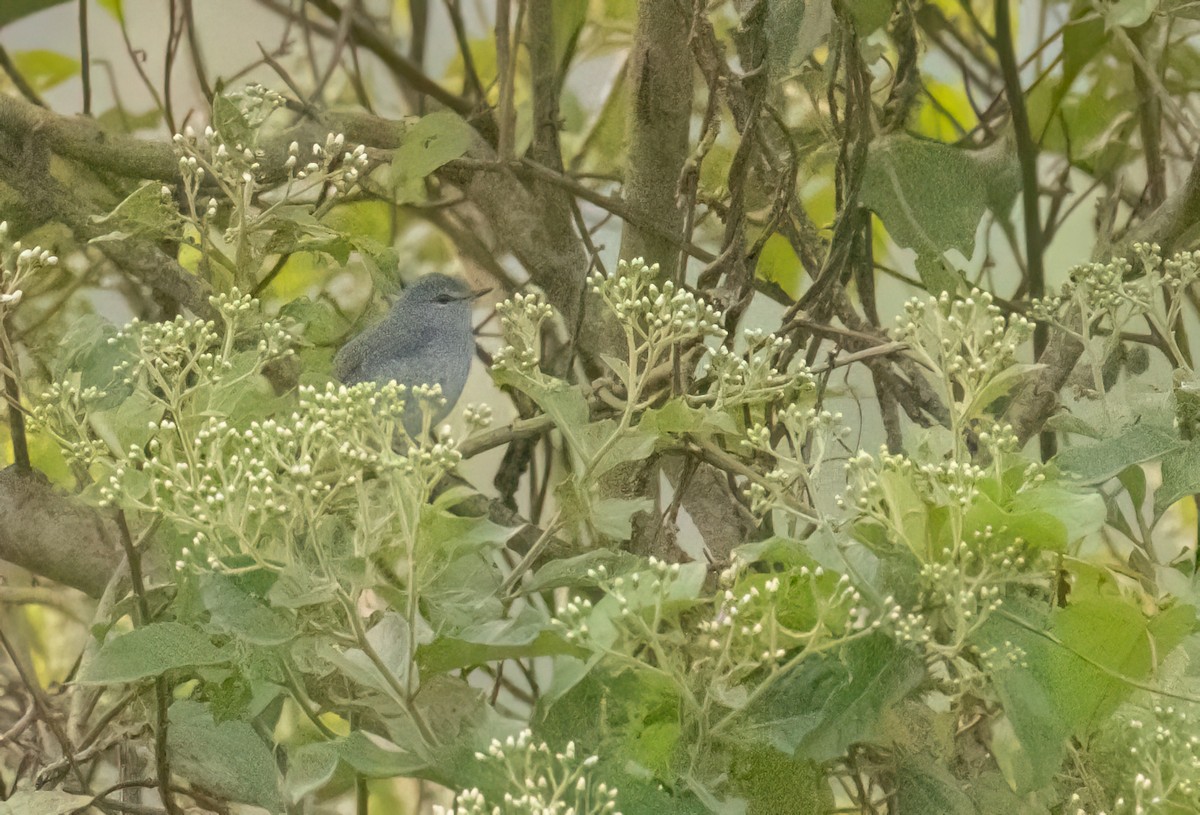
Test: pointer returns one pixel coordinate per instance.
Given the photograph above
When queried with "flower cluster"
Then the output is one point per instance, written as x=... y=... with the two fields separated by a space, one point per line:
x=760 y=620
x=764 y=619
x=230 y=159
x=331 y=161
x=255 y=490
x=1165 y=747
x=477 y=416
x=659 y=315
x=754 y=379
x=634 y=593
x=64 y=410
x=17 y=264
x=1100 y=299
x=521 y=318
x=969 y=342
x=245 y=479
x=810 y=430
x=539 y=781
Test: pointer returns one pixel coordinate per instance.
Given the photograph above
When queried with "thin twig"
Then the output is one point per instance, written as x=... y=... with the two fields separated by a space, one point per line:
x=85 y=58
x=339 y=44
x=162 y=694
x=189 y=17
x=1027 y=157
x=12 y=394
x=18 y=80
x=400 y=65
x=45 y=713
x=471 y=80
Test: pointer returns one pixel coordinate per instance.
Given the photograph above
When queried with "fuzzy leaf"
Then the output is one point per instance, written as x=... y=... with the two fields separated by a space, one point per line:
x=229 y=759
x=434 y=140
x=1138 y=443
x=826 y=703
x=149 y=651
x=901 y=172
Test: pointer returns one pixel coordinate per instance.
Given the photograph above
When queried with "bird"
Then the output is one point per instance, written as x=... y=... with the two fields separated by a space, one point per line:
x=425 y=339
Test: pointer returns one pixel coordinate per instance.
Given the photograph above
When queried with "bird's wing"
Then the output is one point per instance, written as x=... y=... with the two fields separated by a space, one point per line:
x=349 y=360
x=373 y=355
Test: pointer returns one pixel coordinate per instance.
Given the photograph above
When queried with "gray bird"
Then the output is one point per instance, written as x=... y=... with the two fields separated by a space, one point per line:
x=425 y=339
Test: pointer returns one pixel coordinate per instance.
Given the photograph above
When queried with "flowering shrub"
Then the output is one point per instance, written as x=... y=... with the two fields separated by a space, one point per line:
x=947 y=628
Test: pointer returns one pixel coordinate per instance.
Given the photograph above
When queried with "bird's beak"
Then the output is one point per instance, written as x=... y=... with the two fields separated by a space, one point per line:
x=475 y=295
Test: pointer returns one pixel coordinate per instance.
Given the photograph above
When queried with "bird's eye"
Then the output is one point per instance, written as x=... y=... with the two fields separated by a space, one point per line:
x=443 y=299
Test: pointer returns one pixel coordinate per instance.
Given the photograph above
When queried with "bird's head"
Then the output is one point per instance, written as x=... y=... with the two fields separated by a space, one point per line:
x=438 y=291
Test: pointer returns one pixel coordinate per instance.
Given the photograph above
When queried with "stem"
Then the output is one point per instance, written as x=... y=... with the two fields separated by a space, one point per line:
x=360 y=636
x=162 y=696
x=1027 y=156
x=534 y=552
x=12 y=394
x=85 y=58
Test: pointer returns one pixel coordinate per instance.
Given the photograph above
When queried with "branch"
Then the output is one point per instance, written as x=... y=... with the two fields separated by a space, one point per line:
x=404 y=68
x=51 y=535
x=85 y=141
x=1027 y=157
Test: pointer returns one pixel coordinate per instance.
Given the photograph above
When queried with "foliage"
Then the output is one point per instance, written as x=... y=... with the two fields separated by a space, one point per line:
x=309 y=598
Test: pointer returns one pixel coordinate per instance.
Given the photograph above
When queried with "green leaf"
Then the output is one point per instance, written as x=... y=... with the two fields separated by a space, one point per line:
x=998 y=386
x=569 y=17
x=527 y=635
x=229 y=759
x=127 y=424
x=44 y=69
x=573 y=572
x=122 y=121
x=12 y=10
x=773 y=782
x=456 y=534
x=28 y=801
x=1080 y=512
x=676 y=417
x=389 y=639
x=86 y=348
x=828 y=702
x=375 y=757
x=869 y=15
x=323 y=324
x=778 y=263
x=149 y=651
x=144 y=212
x=1180 y=477
x=1071 y=670
x=613 y=517
x=1138 y=443
x=901 y=171
x=233 y=610
x=925 y=786
x=630 y=715
x=632 y=444
x=310 y=767
x=602 y=150
x=433 y=141
x=1128 y=13
x=114 y=7
x=230 y=124
x=793 y=29
x=563 y=403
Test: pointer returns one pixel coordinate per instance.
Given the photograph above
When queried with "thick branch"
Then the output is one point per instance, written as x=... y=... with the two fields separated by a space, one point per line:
x=51 y=535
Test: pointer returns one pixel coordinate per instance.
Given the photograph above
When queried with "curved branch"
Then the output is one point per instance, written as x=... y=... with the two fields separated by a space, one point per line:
x=51 y=535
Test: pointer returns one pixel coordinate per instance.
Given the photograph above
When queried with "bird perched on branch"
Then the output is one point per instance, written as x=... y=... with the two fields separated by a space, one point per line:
x=425 y=339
